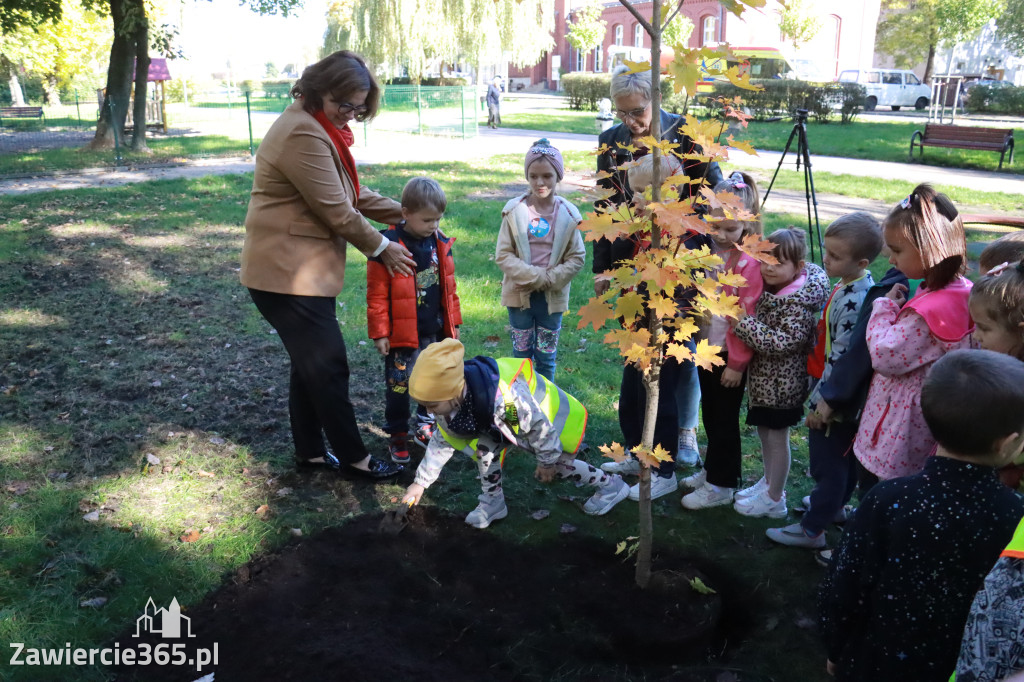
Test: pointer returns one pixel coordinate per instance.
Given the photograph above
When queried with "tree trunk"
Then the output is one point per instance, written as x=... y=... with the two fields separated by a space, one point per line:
x=929 y=64
x=51 y=91
x=17 y=96
x=652 y=378
x=119 y=73
x=141 y=82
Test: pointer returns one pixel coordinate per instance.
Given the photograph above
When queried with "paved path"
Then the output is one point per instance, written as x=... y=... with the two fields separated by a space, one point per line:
x=387 y=147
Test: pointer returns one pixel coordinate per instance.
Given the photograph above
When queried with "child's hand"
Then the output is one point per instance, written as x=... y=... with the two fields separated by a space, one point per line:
x=734 y=321
x=731 y=378
x=601 y=286
x=898 y=294
x=383 y=345
x=830 y=667
x=413 y=494
x=545 y=473
x=814 y=420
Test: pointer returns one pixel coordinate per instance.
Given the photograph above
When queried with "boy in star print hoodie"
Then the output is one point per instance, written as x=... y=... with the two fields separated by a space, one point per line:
x=899 y=589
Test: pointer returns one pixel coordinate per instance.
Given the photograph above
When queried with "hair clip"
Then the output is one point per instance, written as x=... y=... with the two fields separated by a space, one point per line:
x=736 y=180
x=998 y=270
x=906 y=203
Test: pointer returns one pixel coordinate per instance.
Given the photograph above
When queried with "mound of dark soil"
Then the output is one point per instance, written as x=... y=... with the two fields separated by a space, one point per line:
x=442 y=601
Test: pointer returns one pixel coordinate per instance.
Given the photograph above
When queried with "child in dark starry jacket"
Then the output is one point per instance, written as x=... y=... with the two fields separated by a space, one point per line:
x=899 y=589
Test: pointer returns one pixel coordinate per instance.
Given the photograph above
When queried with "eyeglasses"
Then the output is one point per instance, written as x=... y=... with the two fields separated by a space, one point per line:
x=635 y=114
x=345 y=109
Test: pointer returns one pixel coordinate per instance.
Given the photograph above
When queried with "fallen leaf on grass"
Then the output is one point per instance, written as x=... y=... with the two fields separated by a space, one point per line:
x=492 y=341
x=297 y=532
x=698 y=586
x=284 y=492
x=92 y=517
x=190 y=536
x=540 y=514
x=262 y=511
x=204 y=474
x=18 y=487
x=217 y=440
x=94 y=603
x=567 y=528
x=152 y=459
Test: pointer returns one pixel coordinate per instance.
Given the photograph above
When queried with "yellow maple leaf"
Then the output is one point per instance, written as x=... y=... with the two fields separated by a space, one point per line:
x=637 y=67
x=603 y=149
x=601 y=225
x=631 y=148
x=640 y=356
x=742 y=145
x=720 y=304
x=679 y=351
x=596 y=312
x=686 y=70
x=707 y=356
x=663 y=306
x=630 y=306
x=731 y=279
x=741 y=80
x=685 y=329
x=613 y=451
x=758 y=249
x=651 y=458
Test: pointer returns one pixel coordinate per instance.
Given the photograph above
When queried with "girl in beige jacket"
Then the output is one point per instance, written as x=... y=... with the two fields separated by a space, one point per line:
x=539 y=250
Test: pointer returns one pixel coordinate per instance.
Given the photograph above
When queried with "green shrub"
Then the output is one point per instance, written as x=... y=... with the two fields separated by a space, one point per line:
x=277 y=88
x=995 y=100
x=174 y=89
x=783 y=97
x=586 y=89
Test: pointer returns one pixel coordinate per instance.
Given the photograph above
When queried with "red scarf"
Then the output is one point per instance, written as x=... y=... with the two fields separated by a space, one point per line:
x=342 y=139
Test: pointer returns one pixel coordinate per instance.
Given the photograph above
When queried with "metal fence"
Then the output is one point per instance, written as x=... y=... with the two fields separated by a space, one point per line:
x=212 y=124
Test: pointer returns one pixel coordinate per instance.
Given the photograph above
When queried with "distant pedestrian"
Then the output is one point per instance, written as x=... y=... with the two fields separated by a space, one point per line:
x=494 y=103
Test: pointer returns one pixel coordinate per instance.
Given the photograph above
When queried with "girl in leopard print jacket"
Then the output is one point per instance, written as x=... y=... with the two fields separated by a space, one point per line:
x=781 y=333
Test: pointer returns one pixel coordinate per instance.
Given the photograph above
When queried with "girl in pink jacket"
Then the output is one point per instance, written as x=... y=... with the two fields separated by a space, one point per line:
x=926 y=240
x=721 y=389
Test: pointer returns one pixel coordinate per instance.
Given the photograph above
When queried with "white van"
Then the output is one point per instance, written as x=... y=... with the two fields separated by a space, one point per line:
x=889 y=88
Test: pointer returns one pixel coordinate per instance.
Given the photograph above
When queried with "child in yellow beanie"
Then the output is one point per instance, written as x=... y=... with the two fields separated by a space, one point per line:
x=485 y=405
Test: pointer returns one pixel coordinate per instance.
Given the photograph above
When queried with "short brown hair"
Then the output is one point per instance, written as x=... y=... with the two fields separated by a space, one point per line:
x=339 y=75
x=421 y=193
x=861 y=232
x=930 y=221
x=1007 y=249
x=1002 y=296
x=790 y=245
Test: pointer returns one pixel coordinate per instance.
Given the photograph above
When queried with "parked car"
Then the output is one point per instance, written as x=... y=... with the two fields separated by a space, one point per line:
x=894 y=88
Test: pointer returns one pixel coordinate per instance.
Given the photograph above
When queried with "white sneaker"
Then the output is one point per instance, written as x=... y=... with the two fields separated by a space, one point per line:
x=706 y=496
x=794 y=535
x=696 y=480
x=627 y=467
x=687 y=453
x=491 y=508
x=753 y=490
x=761 y=505
x=660 y=486
x=606 y=497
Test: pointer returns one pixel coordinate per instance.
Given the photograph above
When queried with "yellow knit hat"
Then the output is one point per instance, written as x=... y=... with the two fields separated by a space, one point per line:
x=438 y=373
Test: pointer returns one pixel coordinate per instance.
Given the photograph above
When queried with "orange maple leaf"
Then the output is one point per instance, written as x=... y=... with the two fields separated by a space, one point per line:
x=601 y=225
x=758 y=249
x=596 y=312
x=651 y=458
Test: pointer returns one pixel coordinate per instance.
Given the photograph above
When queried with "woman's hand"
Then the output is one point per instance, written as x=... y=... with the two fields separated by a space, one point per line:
x=383 y=345
x=731 y=378
x=398 y=260
x=898 y=294
x=413 y=494
x=601 y=286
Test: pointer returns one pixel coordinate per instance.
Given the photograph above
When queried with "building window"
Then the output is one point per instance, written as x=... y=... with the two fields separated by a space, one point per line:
x=581 y=60
x=597 y=59
x=709 y=36
x=638 y=36
x=618 y=34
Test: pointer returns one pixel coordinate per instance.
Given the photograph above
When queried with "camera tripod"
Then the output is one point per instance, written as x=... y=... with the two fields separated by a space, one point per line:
x=803 y=153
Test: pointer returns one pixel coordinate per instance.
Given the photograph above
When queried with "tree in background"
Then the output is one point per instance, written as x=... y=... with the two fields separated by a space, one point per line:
x=270 y=70
x=57 y=51
x=911 y=30
x=1010 y=27
x=677 y=32
x=414 y=33
x=339 y=26
x=588 y=28
x=799 y=22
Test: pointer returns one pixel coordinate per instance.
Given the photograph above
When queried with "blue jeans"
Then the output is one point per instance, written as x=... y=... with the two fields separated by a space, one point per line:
x=535 y=334
x=688 y=392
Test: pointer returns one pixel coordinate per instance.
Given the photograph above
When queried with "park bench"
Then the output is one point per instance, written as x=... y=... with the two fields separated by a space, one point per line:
x=964 y=137
x=20 y=112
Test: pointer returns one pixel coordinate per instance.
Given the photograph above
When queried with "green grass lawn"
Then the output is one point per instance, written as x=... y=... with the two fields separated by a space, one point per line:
x=139 y=383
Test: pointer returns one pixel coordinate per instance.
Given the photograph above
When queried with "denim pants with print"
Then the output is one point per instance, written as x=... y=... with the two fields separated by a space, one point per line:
x=535 y=334
x=397 y=367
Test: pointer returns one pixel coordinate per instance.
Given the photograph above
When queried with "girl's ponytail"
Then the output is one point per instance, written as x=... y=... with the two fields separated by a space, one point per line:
x=930 y=221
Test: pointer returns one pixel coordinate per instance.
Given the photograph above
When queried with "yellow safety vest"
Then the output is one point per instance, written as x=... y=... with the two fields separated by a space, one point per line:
x=567 y=414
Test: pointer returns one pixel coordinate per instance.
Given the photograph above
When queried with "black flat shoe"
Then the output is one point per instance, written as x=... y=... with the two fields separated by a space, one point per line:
x=325 y=462
x=378 y=469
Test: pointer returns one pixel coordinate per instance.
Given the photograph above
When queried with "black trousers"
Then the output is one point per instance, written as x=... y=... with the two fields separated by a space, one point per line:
x=318 y=401
x=720 y=411
x=632 y=405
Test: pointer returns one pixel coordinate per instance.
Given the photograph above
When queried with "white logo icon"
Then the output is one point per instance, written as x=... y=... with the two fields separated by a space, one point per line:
x=166 y=622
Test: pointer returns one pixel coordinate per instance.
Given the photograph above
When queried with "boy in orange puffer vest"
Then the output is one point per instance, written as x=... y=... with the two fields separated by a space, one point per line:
x=405 y=314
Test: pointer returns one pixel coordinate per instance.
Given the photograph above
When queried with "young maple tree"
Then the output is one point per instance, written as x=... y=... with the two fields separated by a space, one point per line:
x=643 y=288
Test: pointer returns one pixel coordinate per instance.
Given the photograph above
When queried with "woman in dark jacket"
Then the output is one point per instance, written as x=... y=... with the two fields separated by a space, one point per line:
x=675 y=425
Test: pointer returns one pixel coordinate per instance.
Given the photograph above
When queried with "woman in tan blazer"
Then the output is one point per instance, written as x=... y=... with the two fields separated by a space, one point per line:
x=306 y=207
